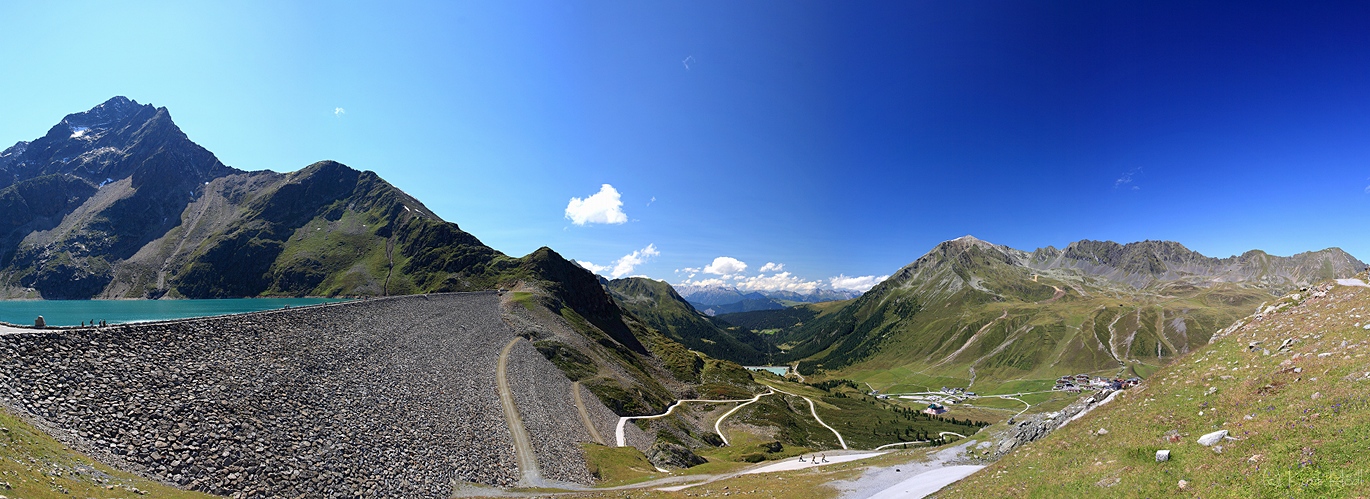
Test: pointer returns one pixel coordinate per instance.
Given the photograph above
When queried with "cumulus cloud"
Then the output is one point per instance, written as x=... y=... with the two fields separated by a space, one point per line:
x=624 y=266
x=778 y=282
x=772 y=267
x=725 y=265
x=856 y=283
x=338 y=111
x=705 y=282
x=603 y=207
x=591 y=267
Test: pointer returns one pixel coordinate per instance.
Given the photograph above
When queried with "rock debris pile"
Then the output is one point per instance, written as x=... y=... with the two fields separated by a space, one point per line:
x=383 y=398
x=1040 y=425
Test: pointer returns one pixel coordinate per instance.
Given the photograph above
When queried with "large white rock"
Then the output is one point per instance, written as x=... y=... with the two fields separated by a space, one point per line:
x=1162 y=456
x=1212 y=438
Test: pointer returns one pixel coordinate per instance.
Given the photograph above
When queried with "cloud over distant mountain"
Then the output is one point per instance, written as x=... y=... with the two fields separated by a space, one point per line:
x=725 y=265
x=856 y=283
x=625 y=265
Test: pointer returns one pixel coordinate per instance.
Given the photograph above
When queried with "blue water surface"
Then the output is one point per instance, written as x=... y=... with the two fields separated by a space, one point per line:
x=73 y=312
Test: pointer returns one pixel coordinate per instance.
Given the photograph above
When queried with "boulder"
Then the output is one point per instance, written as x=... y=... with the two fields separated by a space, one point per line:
x=664 y=454
x=1162 y=456
x=1212 y=438
x=39 y=322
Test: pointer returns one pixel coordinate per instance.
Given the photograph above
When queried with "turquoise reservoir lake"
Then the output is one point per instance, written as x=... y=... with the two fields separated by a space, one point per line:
x=73 y=312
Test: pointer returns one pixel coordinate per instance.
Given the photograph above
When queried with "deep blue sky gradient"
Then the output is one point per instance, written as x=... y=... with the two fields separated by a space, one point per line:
x=835 y=137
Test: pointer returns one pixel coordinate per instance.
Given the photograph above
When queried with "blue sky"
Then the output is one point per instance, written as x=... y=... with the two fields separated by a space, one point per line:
x=836 y=138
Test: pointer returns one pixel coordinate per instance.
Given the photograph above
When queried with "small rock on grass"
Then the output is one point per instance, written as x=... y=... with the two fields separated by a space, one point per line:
x=1212 y=438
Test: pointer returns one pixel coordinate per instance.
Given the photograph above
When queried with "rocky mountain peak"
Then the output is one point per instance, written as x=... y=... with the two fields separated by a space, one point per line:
x=112 y=111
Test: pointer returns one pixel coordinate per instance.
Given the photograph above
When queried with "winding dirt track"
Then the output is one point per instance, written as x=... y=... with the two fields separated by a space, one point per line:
x=814 y=410
x=718 y=425
x=523 y=444
x=622 y=440
x=585 y=414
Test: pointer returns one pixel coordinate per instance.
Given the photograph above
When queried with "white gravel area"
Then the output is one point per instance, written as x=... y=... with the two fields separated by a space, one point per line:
x=793 y=463
x=928 y=482
x=877 y=479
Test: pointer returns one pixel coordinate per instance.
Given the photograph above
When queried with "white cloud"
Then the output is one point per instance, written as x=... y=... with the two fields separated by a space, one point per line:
x=778 y=282
x=705 y=282
x=772 y=267
x=604 y=207
x=649 y=203
x=725 y=265
x=624 y=266
x=338 y=111
x=591 y=267
x=856 y=283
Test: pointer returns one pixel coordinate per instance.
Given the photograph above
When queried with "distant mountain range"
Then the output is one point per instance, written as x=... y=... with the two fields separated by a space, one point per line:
x=717 y=299
x=971 y=308
x=660 y=307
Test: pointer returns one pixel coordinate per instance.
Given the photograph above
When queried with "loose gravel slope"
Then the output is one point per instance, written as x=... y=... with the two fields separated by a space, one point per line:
x=383 y=398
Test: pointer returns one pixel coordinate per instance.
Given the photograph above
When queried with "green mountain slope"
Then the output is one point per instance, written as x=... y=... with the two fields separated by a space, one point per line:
x=1288 y=384
x=970 y=310
x=660 y=307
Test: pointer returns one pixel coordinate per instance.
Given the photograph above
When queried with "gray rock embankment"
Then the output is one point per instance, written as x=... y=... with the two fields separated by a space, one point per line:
x=544 y=400
x=1041 y=425
x=383 y=398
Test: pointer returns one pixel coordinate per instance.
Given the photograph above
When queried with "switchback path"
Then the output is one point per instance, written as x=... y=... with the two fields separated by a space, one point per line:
x=1020 y=413
x=718 y=425
x=814 y=410
x=886 y=446
x=523 y=444
x=585 y=415
x=622 y=440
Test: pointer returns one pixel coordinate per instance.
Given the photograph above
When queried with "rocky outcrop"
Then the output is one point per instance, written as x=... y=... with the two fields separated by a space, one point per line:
x=671 y=455
x=1040 y=425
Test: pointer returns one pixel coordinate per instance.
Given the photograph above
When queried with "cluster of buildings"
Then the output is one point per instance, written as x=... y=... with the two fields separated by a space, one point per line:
x=1080 y=382
x=957 y=391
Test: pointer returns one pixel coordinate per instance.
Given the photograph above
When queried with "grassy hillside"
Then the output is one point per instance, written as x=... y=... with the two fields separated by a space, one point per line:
x=660 y=307
x=969 y=314
x=35 y=466
x=1299 y=417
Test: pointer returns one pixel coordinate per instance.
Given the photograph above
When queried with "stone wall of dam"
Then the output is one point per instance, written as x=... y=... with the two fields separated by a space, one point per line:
x=390 y=397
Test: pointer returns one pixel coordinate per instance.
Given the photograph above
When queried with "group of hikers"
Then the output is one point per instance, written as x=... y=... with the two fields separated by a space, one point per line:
x=814 y=459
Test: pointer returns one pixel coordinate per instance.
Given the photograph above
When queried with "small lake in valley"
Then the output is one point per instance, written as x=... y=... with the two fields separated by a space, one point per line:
x=73 y=312
x=777 y=370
